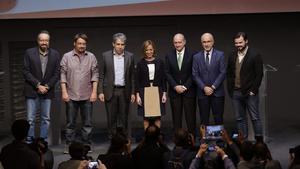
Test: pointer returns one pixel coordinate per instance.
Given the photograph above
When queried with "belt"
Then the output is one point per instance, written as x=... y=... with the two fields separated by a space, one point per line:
x=119 y=87
x=237 y=89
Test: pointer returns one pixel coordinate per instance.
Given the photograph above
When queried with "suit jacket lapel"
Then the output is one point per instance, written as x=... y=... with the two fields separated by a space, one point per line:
x=245 y=60
x=213 y=58
x=235 y=57
x=110 y=61
x=185 y=58
x=174 y=59
x=38 y=62
x=48 y=64
x=126 y=64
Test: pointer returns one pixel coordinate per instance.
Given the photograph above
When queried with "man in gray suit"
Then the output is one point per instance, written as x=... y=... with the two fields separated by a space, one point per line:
x=117 y=83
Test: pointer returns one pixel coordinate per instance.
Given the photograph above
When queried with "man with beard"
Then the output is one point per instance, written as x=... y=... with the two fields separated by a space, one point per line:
x=79 y=80
x=41 y=72
x=244 y=75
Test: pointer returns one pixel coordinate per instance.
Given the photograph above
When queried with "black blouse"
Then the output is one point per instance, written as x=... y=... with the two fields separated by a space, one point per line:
x=142 y=74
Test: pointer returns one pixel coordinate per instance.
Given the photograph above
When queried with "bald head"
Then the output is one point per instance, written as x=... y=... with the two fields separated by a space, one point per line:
x=179 y=41
x=207 y=41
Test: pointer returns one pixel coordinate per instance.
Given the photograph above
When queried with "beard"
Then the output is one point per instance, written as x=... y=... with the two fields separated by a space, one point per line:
x=81 y=50
x=241 y=48
x=44 y=48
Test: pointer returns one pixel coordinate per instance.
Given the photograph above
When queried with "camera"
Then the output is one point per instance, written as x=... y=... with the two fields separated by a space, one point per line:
x=93 y=165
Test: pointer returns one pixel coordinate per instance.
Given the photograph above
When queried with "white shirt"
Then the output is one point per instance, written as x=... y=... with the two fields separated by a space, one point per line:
x=151 y=68
x=182 y=53
x=209 y=56
x=119 y=69
x=242 y=54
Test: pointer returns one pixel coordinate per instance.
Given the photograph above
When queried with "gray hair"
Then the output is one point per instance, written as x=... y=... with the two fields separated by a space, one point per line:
x=120 y=36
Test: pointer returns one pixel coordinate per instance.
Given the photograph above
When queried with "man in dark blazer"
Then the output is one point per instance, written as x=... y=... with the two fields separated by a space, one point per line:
x=116 y=86
x=209 y=72
x=41 y=72
x=244 y=76
x=182 y=91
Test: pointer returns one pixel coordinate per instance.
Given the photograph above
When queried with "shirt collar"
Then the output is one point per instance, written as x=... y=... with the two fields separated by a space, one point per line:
x=244 y=51
x=182 y=51
x=76 y=54
x=210 y=52
x=43 y=54
x=115 y=53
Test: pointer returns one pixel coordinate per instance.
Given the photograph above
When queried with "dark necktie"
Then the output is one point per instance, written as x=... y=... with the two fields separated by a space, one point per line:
x=207 y=58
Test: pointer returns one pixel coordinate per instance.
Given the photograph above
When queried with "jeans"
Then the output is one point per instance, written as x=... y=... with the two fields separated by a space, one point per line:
x=243 y=104
x=35 y=105
x=86 y=109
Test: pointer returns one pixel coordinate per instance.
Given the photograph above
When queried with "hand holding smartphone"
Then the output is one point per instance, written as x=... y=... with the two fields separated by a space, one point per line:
x=94 y=164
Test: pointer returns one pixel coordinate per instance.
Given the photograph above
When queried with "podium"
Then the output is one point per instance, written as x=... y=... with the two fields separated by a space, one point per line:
x=54 y=131
x=263 y=97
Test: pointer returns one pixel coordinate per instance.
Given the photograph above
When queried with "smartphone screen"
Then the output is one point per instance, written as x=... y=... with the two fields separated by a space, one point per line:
x=93 y=165
x=214 y=132
x=234 y=136
x=211 y=148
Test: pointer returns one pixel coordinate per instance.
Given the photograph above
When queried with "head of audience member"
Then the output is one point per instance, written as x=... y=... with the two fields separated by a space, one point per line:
x=76 y=151
x=119 y=43
x=43 y=40
x=179 y=42
x=207 y=41
x=262 y=152
x=80 y=43
x=152 y=134
x=181 y=138
x=20 y=129
x=210 y=159
x=241 y=41
x=295 y=157
x=149 y=49
x=119 y=142
x=297 y=154
x=247 y=151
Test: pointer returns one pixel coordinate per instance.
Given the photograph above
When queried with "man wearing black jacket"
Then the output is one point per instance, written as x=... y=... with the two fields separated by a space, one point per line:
x=244 y=76
x=41 y=72
x=182 y=91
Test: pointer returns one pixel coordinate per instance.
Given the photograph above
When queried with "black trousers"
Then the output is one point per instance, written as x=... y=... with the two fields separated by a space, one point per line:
x=188 y=105
x=214 y=104
x=117 y=109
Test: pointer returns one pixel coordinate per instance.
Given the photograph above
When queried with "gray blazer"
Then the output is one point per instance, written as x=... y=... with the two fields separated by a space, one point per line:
x=107 y=75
